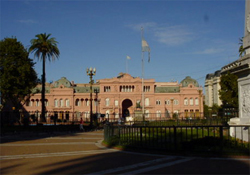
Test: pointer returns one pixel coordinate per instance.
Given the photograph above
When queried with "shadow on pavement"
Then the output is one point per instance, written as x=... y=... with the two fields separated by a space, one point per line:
x=21 y=133
x=109 y=162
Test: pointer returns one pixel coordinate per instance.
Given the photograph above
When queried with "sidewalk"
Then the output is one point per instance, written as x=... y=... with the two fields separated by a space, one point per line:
x=83 y=153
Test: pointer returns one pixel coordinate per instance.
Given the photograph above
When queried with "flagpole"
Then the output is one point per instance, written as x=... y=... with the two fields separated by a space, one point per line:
x=143 y=101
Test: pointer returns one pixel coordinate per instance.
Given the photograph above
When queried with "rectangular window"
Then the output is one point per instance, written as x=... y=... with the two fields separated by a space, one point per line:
x=158 y=102
x=107 y=102
x=107 y=89
x=116 y=103
x=146 y=88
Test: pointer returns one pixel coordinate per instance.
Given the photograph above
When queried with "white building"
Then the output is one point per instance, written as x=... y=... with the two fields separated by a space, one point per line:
x=212 y=87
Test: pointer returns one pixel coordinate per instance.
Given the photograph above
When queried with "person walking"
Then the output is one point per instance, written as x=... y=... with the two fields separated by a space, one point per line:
x=81 y=125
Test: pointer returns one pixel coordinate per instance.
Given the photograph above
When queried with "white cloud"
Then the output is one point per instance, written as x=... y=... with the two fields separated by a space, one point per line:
x=27 y=21
x=210 y=51
x=173 y=35
x=168 y=35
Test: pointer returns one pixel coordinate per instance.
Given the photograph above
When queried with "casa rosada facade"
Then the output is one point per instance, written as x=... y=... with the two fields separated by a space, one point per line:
x=118 y=97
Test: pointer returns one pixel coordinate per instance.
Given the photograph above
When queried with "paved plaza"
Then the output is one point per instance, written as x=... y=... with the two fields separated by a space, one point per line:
x=82 y=153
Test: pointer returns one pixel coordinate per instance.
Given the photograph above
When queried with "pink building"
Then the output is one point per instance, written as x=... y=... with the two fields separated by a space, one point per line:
x=120 y=96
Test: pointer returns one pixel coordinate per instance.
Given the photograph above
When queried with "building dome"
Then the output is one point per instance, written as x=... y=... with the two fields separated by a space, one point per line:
x=62 y=82
x=188 y=80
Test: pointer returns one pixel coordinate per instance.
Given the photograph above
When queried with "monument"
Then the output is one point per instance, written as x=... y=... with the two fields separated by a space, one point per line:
x=241 y=68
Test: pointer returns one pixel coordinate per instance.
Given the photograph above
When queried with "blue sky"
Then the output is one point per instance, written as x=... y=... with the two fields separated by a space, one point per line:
x=186 y=38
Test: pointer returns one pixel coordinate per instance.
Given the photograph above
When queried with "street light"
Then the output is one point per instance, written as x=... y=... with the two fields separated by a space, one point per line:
x=91 y=72
x=172 y=101
x=200 y=99
x=96 y=91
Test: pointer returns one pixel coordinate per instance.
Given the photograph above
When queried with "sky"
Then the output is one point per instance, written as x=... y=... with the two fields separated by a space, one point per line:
x=186 y=37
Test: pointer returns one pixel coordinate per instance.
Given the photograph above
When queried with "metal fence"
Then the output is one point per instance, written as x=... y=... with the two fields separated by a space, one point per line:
x=66 y=117
x=203 y=139
x=34 y=117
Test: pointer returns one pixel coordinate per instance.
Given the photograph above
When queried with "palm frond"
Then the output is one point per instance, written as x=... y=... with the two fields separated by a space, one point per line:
x=44 y=47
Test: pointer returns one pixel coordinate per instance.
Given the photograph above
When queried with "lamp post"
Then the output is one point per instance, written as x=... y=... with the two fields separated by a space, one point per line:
x=91 y=72
x=96 y=91
x=200 y=100
x=172 y=101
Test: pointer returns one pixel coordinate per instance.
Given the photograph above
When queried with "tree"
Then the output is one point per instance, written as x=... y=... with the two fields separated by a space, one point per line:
x=17 y=75
x=44 y=47
x=229 y=90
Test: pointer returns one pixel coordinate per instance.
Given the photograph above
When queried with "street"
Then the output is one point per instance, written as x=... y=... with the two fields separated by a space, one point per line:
x=83 y=153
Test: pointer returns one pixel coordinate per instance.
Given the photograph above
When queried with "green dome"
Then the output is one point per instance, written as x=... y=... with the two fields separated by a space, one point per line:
x=188 y=80
x=62 y=82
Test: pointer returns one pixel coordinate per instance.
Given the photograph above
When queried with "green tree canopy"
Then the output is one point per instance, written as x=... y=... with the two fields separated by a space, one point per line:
x=229 y=90
x=17 y=75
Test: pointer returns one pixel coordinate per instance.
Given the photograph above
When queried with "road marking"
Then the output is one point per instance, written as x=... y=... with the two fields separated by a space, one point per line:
x=46 y=144
x=72 y=138
x=58 y=154
x=151 y=168
x=138 y=165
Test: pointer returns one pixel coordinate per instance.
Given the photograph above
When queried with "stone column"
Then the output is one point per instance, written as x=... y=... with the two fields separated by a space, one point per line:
x=242 y=70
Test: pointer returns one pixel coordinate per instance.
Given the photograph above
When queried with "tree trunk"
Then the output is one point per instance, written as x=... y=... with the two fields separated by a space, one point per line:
x=43 y=92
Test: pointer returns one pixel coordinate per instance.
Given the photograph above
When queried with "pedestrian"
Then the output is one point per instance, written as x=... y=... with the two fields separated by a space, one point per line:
x=81 y=125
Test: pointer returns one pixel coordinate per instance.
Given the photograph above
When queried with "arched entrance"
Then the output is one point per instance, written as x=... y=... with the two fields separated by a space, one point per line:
x=126 y=104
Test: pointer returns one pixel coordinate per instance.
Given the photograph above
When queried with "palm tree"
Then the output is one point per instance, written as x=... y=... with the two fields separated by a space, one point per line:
x=44 y=47
x=241 y=49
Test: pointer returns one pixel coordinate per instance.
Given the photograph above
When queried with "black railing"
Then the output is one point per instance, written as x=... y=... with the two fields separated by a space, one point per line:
x=66 y=117
x=216 y=139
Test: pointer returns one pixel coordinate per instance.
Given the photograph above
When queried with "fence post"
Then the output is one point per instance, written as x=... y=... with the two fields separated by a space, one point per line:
x=221 y=138
x=175 y=138
x=141 y=136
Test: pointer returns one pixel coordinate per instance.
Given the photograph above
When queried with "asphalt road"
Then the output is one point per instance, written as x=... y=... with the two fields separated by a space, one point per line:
x=82 y=153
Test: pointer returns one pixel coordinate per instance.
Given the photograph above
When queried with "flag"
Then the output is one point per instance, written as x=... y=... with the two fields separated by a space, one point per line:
x=128 y=57
x=146 y=48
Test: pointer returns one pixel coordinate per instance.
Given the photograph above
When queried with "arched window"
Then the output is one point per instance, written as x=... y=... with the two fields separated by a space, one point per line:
x=37 y=102
x=27 y=103
x=32 y=102
x=56 y=103
x=185 y=101
x=196 y=101
x=46 y=102
x=61 y=103
x=67 y=102
x=78 y=102
x=191 y=101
